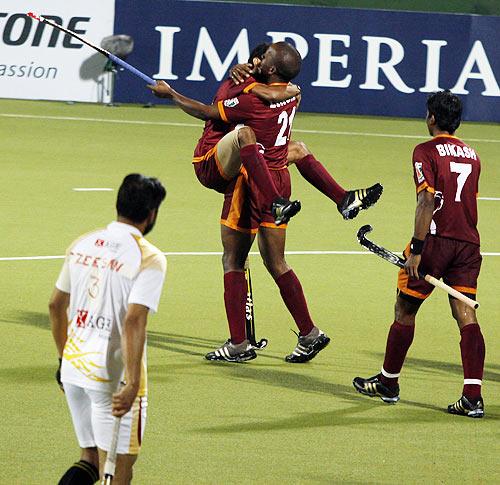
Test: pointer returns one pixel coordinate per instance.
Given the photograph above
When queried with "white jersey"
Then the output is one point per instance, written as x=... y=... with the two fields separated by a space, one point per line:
x=104 y=272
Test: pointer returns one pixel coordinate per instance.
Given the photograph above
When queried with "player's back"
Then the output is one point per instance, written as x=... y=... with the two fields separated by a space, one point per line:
x=271 y=123
x=454 y=179
x=103 y=269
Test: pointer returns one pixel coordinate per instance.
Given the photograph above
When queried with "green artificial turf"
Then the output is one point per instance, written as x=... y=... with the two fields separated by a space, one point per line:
x=264 y=422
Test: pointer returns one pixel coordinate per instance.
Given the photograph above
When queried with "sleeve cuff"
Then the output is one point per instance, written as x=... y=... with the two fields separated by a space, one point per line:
x=222 y=113
x=425 y=186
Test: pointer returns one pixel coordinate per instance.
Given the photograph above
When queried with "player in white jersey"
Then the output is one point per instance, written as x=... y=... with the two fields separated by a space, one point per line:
x=111 y=279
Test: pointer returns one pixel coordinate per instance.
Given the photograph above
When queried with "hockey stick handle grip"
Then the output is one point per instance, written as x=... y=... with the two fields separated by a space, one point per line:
x=132 y=69
x=451 y=291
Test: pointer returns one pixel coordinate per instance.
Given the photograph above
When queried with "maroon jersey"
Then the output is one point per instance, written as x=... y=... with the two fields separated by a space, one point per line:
x=271 y=123
x=448 y=168
x=215 y=129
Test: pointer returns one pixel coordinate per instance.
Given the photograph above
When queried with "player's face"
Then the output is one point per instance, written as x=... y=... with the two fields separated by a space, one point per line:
x=266 y=67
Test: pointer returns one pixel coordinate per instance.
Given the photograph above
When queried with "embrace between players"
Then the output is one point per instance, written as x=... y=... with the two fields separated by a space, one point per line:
x=115 y=276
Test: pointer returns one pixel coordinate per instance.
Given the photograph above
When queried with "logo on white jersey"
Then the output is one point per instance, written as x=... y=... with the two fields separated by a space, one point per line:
x=419 y=172
x=231 y=103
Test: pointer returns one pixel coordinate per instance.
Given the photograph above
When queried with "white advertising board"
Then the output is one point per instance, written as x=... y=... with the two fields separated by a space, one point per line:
x=40 y=62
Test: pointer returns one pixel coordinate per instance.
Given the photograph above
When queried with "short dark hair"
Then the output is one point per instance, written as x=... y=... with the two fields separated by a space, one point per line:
x=258 y=51
x=447 y=110
x=288 y=61
x=138 y=196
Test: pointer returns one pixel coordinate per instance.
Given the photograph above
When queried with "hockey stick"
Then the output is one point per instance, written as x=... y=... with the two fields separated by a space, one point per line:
x=104 y=52
x=249 y=314
x=110 y=463
x=398 y=261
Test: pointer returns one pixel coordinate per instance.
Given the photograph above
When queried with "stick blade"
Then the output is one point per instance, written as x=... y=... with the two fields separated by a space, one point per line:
x=363 y=231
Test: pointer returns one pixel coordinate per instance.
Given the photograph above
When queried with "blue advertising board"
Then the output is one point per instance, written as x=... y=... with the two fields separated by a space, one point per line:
x=368 y=62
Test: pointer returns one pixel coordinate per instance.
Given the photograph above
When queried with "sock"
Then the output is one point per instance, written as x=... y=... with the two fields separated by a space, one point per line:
x=80 y=473
x=473 y=350
x=235 y=293
x=259 y=174
x=295 y=301
x=317 y=175
x=398 y=342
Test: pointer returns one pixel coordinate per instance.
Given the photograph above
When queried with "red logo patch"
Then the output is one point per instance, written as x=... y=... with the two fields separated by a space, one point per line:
x=81 y=318
x=100 y=243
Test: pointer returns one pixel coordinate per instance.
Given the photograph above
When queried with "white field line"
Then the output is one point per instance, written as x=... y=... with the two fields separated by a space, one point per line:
x=199 y=125
x=219 y=253
x=92 y=189
x=488 y=198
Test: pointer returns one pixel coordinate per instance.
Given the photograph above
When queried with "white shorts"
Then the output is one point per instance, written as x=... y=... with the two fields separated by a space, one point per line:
x=93 y=422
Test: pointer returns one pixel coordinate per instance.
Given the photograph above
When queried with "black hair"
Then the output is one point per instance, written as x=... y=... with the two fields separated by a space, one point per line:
x=138 y=196
x=288 y=61
x=258 y=51
x=447 y=110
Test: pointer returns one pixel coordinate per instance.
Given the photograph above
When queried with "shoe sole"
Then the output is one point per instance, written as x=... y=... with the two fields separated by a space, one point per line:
x=236 y=360
x=372 y=199
x=294 y=209
x=308 y=357
x=387 y=400
x=472 y=414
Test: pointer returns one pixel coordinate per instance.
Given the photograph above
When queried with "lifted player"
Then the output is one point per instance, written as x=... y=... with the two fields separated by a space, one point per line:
x=445 y=244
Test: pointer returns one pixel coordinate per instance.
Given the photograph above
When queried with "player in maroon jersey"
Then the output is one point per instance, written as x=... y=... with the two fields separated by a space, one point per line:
x=445 y=244
x=263 y=142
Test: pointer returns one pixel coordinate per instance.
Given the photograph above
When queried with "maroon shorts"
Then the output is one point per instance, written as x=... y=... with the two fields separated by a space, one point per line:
x=242 y=200
x=209 y=171
x=457 y=262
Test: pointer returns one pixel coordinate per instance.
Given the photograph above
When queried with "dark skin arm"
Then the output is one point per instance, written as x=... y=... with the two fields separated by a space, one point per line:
x=58 y=306
x=133 y=339
x=190 y=106
x=270 y=94
x=423 y=218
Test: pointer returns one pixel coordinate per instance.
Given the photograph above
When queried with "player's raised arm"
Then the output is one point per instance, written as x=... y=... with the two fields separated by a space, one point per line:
x=274 y=93
x=190 y=106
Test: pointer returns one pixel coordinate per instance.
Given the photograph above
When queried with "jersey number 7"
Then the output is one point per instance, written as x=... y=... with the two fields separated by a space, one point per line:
x=463 y=170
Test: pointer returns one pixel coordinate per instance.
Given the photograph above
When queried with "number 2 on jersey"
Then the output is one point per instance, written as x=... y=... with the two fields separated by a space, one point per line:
x=463 y=170
x=286 y=123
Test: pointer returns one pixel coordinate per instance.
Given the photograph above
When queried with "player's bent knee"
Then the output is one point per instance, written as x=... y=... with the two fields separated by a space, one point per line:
x=297 y=150
x=406 y=308
x=246 y=136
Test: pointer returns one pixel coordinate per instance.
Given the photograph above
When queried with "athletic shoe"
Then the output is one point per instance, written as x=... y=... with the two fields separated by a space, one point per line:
x=308 y=346
x=283 y=209
x=356 y=200
x=464 y=407
x=233 y=353
x=373 y=387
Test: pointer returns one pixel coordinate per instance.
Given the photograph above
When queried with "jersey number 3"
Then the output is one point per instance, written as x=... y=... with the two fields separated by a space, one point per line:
x=463 y=170
x=286 y=127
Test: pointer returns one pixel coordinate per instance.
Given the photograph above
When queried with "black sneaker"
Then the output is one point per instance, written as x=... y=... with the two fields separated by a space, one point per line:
x=373 y=387
x=356 y=200
x=308 y=347
x=283 y=209
x=232 y=353
x=464 y=407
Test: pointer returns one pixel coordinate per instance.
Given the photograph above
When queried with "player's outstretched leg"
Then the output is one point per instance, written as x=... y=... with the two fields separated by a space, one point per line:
x=230 y=352
x=373 y=387
x=308 y=346
x=283 y=209
x=359 y=199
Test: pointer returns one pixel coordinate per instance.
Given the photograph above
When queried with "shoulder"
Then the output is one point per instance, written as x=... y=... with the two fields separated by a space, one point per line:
x=423 y=149
x=83 y=238
x=151 y=256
